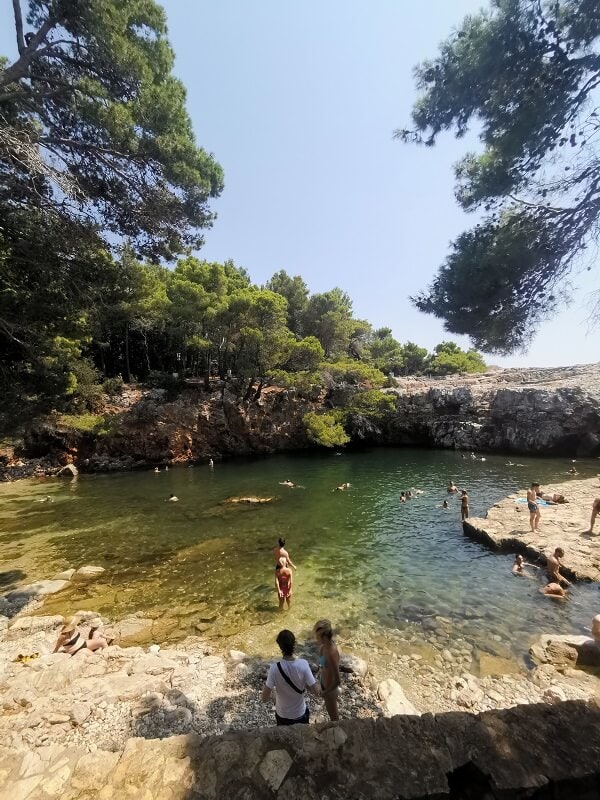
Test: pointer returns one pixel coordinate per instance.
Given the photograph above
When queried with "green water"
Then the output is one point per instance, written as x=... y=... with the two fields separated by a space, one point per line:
x=364 y=560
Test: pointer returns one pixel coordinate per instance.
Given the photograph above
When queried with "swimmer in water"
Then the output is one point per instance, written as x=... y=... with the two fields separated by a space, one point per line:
x=342 y=487
x=554 y=590
x=402 y=497
x=173 y=499
x=287 y=483
x=452 y=488
x=211 y=463
x=445 y=504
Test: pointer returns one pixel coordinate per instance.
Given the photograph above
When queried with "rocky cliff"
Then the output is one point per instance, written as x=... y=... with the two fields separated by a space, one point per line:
x=535 y=411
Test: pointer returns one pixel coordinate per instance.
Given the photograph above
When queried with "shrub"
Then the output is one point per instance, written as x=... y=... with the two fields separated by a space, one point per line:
x=113 y=386
x=326 y=429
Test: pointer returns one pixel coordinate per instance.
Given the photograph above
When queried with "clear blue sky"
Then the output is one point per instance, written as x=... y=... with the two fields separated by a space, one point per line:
x=298 y=102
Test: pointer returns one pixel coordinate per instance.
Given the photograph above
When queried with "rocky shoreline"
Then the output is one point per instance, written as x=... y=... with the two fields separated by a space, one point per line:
x=533 y=411
x=506 y=527
x=100 y=701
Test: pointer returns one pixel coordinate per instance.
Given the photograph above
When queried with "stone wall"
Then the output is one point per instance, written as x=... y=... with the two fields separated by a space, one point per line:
x=543 y=752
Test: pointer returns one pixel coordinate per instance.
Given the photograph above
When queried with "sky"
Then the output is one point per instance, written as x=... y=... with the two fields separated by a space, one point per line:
x=298 y=101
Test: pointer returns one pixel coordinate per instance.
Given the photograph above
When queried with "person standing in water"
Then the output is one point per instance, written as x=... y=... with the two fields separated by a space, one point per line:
x=329 y=667
x=281 y=552
x=534 y=509
x=464 y=504
x=283 y=583
x=553 y=566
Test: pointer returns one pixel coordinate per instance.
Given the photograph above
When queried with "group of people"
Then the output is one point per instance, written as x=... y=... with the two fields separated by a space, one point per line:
x=290 y=678
x=555 y=581
x=534 y=495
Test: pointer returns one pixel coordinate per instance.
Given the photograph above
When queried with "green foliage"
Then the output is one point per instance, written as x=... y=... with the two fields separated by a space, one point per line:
x=113 y=386
x=354 y=372
x=96 y=424
x=87 y=394
x=449 y=359
x=306 y=354
x=326 y=429
x=295 y=292
x=95 y=125
x=527 y=74
x=372 y=404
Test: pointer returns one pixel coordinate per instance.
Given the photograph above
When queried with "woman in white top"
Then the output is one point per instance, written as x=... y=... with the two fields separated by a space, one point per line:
x=289 y=678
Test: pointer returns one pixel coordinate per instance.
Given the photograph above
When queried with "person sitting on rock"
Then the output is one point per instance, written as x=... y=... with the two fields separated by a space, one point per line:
x=553 y=567
x=71 y=640
x=595 y=512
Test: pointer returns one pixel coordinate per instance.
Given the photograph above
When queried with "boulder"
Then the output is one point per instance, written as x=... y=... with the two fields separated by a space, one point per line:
x=133 y=629
x=32 y=591
x=68 y=471
x=393 y=699
x=65 y=575
x=87 y=572
x=566 y=651
x=79 y=712
x=25 y=626
x=353 y=664
x=237 y=656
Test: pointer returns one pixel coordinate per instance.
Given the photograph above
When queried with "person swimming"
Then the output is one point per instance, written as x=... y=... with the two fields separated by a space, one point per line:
x=403 y=497
x=287 y=482
x=452 y=488
x=341 y=488
x=173 y=499
x=445 y=504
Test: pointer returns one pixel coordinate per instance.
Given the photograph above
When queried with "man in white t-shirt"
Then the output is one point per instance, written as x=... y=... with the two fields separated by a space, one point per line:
x=289 y=678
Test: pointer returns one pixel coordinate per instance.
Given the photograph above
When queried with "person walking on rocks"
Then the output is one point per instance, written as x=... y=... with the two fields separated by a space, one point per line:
x=595 y=512
x=534 y=509
x=329 y=667
x=464 y=504
x=289 y=678
x=553 y=566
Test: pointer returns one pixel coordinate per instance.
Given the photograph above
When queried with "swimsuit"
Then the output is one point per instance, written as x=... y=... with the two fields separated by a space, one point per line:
x=532 y=506
x=284 y=585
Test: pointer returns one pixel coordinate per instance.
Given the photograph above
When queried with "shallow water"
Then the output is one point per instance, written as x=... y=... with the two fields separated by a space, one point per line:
x=364 y=560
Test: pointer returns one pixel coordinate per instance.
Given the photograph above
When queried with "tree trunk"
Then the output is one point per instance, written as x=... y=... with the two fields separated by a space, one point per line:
x=127 y=365
x=249 y=390
x=258 y=392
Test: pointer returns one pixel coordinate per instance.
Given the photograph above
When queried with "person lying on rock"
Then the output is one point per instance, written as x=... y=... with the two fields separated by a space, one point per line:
x=552 y=498
x=553 y=566
x=71 y=640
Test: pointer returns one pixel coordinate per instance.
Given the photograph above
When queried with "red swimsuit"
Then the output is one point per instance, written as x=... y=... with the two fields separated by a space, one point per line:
x=284 y=585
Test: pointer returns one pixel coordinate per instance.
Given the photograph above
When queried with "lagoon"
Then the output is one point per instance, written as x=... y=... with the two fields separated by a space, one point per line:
x=386 y=574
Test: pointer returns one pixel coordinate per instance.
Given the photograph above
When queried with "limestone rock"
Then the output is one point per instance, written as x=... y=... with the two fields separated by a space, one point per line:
x=4 y=622
x=237 y=656
x=274 y=767
x=87 y=573
x=353 y=664
x=393 y=699
x=25 y=626
x=80 y=712
x=32 y=591
x=66 y=575
x=566 y=651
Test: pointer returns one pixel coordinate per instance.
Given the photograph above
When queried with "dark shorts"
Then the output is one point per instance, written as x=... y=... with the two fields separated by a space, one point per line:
x=596 y=506
x=303 y=720
x=532 y=507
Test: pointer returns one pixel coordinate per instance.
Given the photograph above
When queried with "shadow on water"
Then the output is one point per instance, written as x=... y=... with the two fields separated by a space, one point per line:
x=10 y=579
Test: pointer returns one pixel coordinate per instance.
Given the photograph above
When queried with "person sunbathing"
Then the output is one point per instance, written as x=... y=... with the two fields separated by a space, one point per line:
x=71 y=640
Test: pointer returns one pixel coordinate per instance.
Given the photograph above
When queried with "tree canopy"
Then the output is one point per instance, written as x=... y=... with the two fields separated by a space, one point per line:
x=526 y=75
x=96 y=152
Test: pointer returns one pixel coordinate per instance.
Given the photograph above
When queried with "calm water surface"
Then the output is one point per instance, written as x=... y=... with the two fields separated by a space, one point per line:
x=364 y=560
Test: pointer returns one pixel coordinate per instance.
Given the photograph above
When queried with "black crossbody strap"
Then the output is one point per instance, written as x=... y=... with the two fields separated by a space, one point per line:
x=288 y=680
